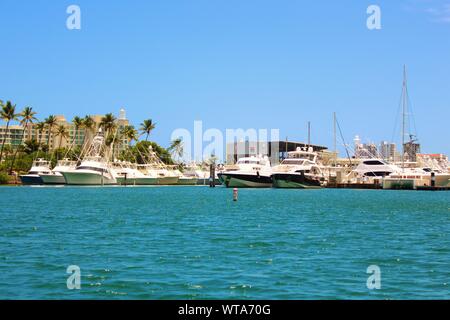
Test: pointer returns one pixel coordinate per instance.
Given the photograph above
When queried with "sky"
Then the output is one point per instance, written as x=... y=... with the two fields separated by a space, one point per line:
x=234 y=64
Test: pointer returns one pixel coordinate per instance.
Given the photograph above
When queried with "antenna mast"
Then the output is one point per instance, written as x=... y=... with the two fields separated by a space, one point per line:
x=404 y=95
x=335 y=143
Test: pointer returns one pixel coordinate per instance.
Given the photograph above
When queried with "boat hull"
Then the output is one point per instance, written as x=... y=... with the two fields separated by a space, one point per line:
x=187 y=181
x=399 y=184
x=234 y=180
x=147 y=181
x=138 y=181
x=52 y=178
x=86 y=178
x=294 y=181
x=31 y=179
x=166 y=181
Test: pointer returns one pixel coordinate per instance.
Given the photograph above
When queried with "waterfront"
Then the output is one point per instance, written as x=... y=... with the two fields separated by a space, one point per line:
x=195 y=242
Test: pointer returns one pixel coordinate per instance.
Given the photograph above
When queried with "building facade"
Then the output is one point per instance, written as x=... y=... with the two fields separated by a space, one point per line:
x=54 y=140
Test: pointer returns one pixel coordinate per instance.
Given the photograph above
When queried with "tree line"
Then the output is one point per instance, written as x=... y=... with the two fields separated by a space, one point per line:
x=20 y=158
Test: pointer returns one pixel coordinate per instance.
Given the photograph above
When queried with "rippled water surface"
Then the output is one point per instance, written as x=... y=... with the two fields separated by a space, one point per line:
x=195 y=242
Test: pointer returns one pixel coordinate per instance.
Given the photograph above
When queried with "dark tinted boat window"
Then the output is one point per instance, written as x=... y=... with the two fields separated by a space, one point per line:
x=373 y=162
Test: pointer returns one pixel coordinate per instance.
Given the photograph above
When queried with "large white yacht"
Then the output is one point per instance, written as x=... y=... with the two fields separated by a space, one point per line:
x=56 y=176
x=95 y=168
x=411 y=178
x=254 y=172
x=298 y=170
x=39 y=166
x=127 y=173
x=374 y=168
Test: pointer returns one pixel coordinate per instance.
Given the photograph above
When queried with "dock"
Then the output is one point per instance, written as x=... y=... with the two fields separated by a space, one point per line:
x=428 y=188
x=354 y=186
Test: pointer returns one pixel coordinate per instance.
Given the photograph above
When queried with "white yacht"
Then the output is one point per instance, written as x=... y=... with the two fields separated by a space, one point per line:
x=39 y=166
x=56 y=176
x=374 y=168
x=197 y=171
x=411 y=178
x=94 y=169
x=298 y=170
x=185 y=178
x=254 y=172
x=126 y=173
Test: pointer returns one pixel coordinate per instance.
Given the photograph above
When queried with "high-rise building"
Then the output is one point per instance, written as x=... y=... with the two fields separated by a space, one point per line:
x=411 y=150
x=365 y=150
x=388 y=151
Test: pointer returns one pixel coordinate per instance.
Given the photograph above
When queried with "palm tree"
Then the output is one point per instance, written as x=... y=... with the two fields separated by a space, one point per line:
x=108 y=123
x=50 y=123
x=77 y=123
x=88 y=125
x=28 y=116
x=7 y=113
x=176 y=147
x=146 y=127
x=130 y=133
x=40 y=126
x=61 y=132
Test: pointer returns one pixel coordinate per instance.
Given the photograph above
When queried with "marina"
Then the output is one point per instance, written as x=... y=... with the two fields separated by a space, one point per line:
x=219 y=158
x=286 y=165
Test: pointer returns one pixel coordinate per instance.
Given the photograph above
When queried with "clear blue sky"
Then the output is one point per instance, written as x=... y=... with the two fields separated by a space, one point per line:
x=234 y=64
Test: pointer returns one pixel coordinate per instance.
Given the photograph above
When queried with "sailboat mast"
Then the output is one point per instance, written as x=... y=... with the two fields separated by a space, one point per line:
x=403 y=115
x=309 y=134
x=335 y=143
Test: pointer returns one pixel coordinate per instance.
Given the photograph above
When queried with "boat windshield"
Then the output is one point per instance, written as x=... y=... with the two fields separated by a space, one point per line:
x=298 y=162
x=91 y=168
x=247 y=161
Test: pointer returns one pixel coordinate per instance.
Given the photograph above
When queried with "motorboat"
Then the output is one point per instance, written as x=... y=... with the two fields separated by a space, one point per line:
x=252 y=172
x=55 y=176
x=39 y=166
x=94 y=169
x=298 y=170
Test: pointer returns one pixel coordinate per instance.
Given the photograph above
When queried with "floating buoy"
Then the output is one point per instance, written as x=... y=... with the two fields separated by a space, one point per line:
x=235 y=194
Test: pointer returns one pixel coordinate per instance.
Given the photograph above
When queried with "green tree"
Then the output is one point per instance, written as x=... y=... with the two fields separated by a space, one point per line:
x=130 y=133
x=108 y=123
x=176 y=148
x=8 y=114
x=40 y=126
x=30 y=146
x=27 y=117
x=147 y=126
x=77 y=123
x=62 y=133
x=88 y=125
x=50 y=122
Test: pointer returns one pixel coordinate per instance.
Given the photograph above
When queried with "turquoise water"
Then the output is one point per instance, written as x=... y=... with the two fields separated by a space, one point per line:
x=196 y=243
